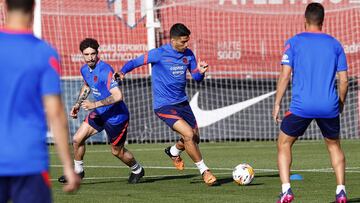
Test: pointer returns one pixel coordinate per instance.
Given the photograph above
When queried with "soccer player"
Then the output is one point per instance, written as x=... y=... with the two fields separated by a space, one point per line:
x=314 y=59
x=30 y=94
x=108 y=112
x=169 y=65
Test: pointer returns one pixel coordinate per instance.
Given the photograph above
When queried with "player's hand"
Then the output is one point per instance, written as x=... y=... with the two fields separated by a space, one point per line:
x=275 y=114
x=88 y=105
x=73 y=181
x=202 y=66
x=118 y=76
x=74 y=111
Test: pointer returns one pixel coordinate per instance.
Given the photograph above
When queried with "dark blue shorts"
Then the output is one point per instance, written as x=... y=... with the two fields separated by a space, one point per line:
x=295 y=126
x=172 y=113
x=30 y=188
x=116 y=133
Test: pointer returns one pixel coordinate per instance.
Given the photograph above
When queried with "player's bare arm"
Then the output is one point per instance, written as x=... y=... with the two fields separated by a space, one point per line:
x=202 y=66
x=83 y=94
x=116 y=96
x=281 y=87
x=343 y=88
x=59 y=126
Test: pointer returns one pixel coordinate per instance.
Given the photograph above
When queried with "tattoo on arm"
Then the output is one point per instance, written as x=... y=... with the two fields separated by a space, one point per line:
x=82 y=96
x=108 y=100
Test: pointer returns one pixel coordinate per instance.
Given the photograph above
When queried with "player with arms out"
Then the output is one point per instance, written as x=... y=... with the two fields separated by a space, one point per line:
x=314 y=58
x=170 y=63
x=30 y=94
x=108 y=112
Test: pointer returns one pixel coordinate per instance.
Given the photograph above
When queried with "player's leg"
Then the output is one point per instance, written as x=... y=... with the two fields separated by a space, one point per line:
x=291 y=128
x=186 y=113
x=117 y=136
x=91 y=125
x=330 y=128
x=284 y=146
x=169 y=115
x=82 y=134
x=191 y=139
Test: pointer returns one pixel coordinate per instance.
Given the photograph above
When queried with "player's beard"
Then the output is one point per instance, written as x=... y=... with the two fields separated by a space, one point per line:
x=92 y=63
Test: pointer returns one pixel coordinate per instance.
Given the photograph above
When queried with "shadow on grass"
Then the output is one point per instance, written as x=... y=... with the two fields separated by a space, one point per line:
x=267 y=175
x=169 y=177
x=94 y=182
x=220 y=181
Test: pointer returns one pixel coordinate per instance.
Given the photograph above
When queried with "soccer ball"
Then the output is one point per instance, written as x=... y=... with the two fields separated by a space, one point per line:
x=243 y=174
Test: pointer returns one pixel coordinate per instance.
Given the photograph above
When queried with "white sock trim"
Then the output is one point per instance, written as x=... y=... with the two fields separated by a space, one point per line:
x=78 y=166
x=339 y=188
x=285 y=187
x=201 y=166
x=175 y=151
x=136 y=168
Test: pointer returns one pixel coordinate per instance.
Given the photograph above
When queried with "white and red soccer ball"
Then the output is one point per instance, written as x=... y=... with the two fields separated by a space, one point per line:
x=243 y=174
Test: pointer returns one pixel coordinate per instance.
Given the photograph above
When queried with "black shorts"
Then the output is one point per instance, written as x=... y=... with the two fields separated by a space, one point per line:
x=116 y=132
x=172 y=113
x=295 y=126
x=27 y=188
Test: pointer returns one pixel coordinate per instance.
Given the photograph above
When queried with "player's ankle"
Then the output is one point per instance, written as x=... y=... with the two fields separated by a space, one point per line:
x=174 y=151
x=285 y=187
x=201 y=166
x=339 y=188
x=78 y=166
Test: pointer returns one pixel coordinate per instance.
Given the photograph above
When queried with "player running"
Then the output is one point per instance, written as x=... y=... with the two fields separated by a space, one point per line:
x=30 y=93
x=314 y=58
x=108 y=112
x=169 y=65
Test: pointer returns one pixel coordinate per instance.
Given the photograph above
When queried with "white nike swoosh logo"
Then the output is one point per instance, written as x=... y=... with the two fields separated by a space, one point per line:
x=206 y=118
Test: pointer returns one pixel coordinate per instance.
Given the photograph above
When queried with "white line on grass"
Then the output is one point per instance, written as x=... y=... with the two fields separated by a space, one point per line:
x=205 y=148
x=317 y=170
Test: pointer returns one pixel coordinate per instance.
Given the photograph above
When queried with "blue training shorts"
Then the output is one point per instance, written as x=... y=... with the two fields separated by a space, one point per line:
x=172 y=113
x=295 y=126
x=28 y=188
x=116 y=132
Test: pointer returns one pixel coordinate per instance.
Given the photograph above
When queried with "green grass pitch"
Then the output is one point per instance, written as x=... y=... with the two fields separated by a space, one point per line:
x=106 y=177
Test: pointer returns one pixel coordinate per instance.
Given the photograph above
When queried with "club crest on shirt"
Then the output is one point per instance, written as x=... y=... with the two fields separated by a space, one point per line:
x=92 y=115
x=185 y=60
x=95 y=78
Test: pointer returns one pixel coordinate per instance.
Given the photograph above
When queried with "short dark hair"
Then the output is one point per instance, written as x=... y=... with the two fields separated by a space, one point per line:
x=314 y=14
x=179 y=30
x=26 y=6
x=89 y=42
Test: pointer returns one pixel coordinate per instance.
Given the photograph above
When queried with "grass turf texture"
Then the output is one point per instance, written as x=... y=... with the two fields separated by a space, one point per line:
x=106 y=177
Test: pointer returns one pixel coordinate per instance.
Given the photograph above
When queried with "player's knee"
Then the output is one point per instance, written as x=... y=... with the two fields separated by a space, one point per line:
x=76 y=141
x=117 y=151
x=188 y=137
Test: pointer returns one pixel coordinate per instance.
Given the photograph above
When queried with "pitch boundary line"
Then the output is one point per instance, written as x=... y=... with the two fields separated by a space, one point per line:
x=257 y=170
x=202 y=148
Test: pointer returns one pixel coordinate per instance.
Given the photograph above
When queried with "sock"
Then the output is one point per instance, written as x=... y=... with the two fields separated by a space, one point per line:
x=175 y=151
x=285 y=187
x=78 y=166
x=136 y=168
x=339 y=188
x=201 y=166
